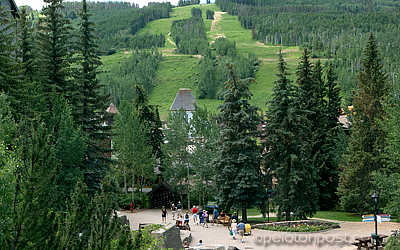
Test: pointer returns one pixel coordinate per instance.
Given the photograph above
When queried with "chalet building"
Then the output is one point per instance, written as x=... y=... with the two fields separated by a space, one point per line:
x=184 y=99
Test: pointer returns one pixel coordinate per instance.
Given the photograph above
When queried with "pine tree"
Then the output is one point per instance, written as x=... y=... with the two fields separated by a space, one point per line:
x=331 y=138
x=367 y=140
x=33 y=214
x=237 y=166
x=54 y=34
x=88 y=104
x=74 y=224
x=288 y=145
x=149 y=117
x=104 y=219
x=9 y=65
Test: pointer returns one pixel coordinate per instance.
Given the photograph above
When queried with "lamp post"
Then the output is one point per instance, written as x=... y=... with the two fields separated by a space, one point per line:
x=375 y=199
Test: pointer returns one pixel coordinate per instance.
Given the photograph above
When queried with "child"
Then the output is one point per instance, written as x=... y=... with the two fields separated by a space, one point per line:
x=180 y=219
x=187 y=218
x=205 y=215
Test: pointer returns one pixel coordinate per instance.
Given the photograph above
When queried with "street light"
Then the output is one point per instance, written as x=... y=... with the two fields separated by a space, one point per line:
x=375 y=199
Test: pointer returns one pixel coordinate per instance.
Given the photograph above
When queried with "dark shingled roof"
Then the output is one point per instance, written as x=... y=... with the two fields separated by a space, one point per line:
x=184 y=99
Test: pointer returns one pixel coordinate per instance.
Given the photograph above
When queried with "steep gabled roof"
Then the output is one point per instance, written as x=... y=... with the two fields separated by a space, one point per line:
x=112 y=109
x=161 y=186
x=13 y=7
x=184 y=99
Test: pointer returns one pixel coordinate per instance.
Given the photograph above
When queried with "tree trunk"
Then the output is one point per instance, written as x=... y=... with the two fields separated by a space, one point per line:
x=244 y=214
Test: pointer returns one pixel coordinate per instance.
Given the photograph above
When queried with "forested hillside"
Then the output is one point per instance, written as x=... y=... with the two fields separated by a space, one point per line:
x=330 y=29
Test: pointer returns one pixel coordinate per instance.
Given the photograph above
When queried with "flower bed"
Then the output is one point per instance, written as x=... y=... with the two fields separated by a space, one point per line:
x=296 y=226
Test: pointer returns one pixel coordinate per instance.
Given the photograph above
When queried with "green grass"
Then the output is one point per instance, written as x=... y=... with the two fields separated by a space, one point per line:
x=339 y=216
x=172 y=74
x=182 y=71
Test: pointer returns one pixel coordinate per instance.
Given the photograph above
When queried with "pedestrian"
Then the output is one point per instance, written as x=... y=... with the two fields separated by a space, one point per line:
x=194 y=212
x=241 y=228
x=200 y=243
x=187 y=218
x=234 y=228
x=201 y=218
x=234 y=217
x=215 y=216
x=164 y=215
x=205 y=215
x=179 y=207
x=131 y=207
x=173 y=210
x=180 y=219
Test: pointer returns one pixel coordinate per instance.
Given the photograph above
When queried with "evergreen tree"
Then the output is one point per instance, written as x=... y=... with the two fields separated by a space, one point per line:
x=74 y=224
x=88 y=104
x=55 y=51
x=334 y=143
x=149 y=117
x=237 y=166
x=9 y=66
x=34 y=192
x=288 y=145
x=104 y=220
x=367 y=140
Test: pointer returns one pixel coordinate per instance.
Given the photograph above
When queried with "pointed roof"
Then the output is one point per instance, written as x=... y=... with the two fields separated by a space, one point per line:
x=184 y=99
x=112 y=109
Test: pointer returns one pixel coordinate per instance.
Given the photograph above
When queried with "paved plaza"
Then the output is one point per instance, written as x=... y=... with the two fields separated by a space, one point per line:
x=339 y=238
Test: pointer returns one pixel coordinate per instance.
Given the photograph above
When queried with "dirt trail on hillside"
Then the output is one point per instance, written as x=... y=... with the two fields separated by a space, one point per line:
x=169 y=39
x=217 y=17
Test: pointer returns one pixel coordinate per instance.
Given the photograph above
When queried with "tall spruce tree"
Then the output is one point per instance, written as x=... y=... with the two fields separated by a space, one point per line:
x=54 y=34
x=88 y=104
x=9 y=65
x=367 y=141
x=333 y=144
x=287 y=145
x=149 y=117
x=238 y=175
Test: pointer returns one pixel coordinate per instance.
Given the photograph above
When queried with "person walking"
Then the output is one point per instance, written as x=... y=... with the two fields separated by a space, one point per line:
x=201 y=218
x=173 y=210
x=194 y=212
x=234 y=228
x=215 y=216
x=205 y=215
x=164 y=215
x=179 y=207
x=187 y=219
x=241 y=228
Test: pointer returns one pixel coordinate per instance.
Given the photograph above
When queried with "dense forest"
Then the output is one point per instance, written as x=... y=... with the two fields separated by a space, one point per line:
x=65 y=169
x=189 y=34
x=336 y=30
x=137 y=68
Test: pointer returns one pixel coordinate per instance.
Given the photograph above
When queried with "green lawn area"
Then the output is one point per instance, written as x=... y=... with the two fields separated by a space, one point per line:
x=340 y=216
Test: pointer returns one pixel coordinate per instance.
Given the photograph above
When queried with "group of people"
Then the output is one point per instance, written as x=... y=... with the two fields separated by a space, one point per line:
x=200 y=217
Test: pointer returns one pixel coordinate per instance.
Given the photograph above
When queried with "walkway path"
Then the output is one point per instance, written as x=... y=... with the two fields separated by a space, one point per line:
x=339 y=238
